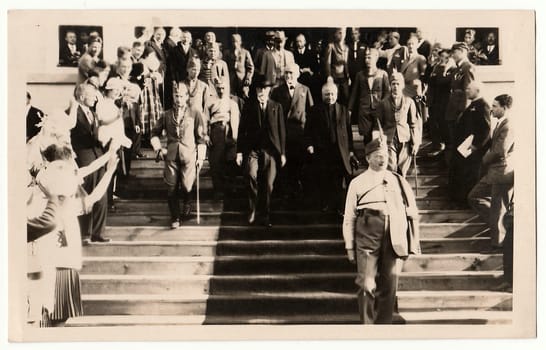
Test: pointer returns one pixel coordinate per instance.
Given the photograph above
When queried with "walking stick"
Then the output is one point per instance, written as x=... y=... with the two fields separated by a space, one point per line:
x=415 y=167
x=197 y=188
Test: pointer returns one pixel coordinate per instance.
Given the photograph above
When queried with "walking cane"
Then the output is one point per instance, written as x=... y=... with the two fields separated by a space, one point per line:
x=197 y=188
x=415 y=167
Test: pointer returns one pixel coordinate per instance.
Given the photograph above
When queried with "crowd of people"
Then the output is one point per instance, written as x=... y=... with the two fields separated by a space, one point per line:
x=266 y=111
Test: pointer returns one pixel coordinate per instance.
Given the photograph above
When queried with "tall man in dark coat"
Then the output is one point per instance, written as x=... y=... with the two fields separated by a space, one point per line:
x=85 y=143
x=262 y=139
x=34 y=117
x=296 y=101
x=357 y=50
x=329 y=138
x=176 y=70
x=461 y=76
x=380 y=228
x=309 y=67
x=475 y=122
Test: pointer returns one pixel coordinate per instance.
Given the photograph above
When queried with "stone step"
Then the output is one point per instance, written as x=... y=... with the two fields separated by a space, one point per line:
x=337 y=282
x=274 y=264
x=464 y=317
x=318 y=303
x=241 y=204
x=245 y=232
x=277 y=218
x=155 y=187
x=264 y=247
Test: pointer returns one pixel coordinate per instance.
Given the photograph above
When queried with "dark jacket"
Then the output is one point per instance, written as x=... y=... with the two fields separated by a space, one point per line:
x=84 y=139
x=461 y=77
x=175 y=70
x=296 y=108
x=250 y=126
x=317 y=132
x=356 y=61
x=34 y=116
x=476 y=121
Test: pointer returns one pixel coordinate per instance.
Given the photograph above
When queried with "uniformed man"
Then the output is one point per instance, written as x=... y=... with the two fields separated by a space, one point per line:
x=380 y=228
x=223 y=130
x=185 y=153
x=397 y=115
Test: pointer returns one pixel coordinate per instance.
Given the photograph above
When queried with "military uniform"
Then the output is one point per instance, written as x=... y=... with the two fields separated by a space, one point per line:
x=381 y=225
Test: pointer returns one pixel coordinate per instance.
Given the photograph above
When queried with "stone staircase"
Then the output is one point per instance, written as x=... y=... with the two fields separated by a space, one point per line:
x=226 y=272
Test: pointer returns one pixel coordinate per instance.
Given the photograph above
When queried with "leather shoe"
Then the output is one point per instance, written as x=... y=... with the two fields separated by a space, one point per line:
x=99 y=240
x=252 y=217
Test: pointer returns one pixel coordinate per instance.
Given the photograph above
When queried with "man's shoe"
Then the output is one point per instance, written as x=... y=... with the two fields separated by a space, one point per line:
x=175 y=224
x=437 y=151
x=100 y=240
x=252 y=217
x=267 y=222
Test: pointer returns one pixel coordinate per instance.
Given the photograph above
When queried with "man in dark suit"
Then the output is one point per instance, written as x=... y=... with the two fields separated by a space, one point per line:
x=329 y=138
x=176 y=70
x=370 y=86
x=307 y=61
x=155 y=44
x=262 y=138
x=461 y=76
x=464 y=170
x=85 y=143
x=423 y=45
x=69 y=53
x=357 y=51
x=491 y=196
x=34 y=116
x=172 y=40
x=296 y=101
x=269 y=46
x=490 y=51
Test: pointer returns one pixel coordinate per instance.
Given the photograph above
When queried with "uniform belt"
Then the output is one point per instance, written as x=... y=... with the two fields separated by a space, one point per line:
x=218 y=123
x=371 y=212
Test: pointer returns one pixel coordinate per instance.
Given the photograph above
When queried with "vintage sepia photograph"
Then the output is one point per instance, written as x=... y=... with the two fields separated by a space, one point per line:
x=183 y=170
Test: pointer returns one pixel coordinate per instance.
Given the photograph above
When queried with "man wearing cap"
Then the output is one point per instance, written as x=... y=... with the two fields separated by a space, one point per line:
x=329 y=138
x=223 y=129
x=269 y=46
x=398 y=118
x=461 y=76
x=369 y=88
x=336 y=61
x=296 y=100
x=275 y=61
x=241 y=67
x=199 y=91
x=380 y=229
x=185 y=153
x=214 y=69
x=262 y=139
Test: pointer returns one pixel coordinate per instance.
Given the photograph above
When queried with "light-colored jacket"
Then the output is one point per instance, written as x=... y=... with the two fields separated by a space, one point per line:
x=499 y=159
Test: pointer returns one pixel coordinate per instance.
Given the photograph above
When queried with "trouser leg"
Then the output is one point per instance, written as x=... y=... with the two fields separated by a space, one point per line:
x=217 y=155
x=387 y=282
x=404 y=158
x=508 y=249
x=100 y=210
x=393 y=150
x=172 y=200
x=500 y=198
x=479 y=199
x=269 y=173
x=450 y=126
x=252 y=180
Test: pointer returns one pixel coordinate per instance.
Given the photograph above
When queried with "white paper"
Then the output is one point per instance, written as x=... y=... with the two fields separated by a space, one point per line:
x=464 y=148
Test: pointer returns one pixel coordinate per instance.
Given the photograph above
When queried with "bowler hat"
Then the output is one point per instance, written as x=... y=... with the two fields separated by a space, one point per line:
x=262 y=82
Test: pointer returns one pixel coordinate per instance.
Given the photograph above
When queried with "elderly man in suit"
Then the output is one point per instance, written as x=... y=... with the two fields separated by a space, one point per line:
x=369 y=88
x=262 y=140
x=275 y=61
x=397 y=116
x=172 y=40
x=176 y=70
x=155 y=45
x=185 y=153
x=241 y=67
x=471 y=142
x=69 y=53
x=380 y=229
x=296 y=101
x=85 y=143
x=461 y=76
x=329 y=138
x=491 y=196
